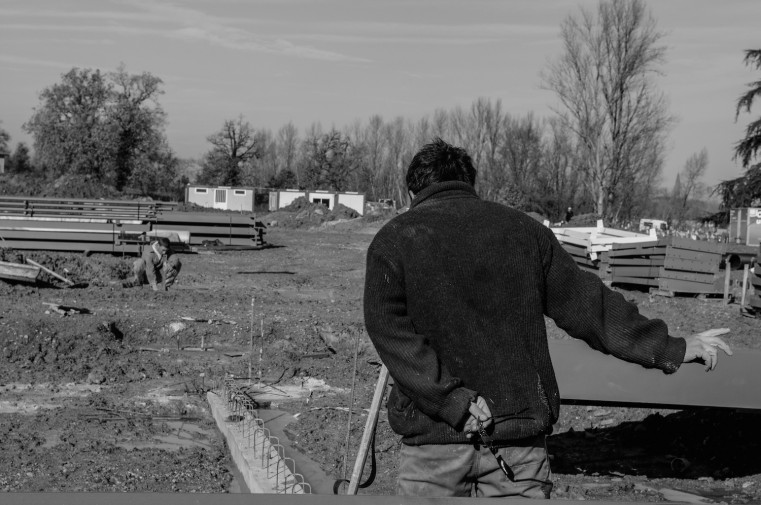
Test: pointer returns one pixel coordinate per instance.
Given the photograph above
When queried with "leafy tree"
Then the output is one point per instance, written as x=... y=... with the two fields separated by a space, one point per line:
x=285 y=179
x=747 y=149
x=603 y=80
x=70 y=128
x=138 y=121
x=20 y=161
x=235 y=145
x=100 y=126
x=156 y=174
x=5 y=139
x=746 y=190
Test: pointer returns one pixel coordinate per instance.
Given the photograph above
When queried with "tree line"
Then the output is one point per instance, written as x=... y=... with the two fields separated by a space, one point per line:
x=601 y=151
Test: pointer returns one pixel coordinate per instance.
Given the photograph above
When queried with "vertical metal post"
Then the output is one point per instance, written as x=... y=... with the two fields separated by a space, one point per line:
x=251 y=342
x=727 y=270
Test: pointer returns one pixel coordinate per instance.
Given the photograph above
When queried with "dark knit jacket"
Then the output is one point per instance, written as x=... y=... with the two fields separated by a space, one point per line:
x=456 y=291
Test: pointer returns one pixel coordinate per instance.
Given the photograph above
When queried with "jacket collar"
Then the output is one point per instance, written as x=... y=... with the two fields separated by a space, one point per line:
x=443 y=189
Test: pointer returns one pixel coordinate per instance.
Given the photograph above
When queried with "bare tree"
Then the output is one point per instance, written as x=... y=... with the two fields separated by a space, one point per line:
x=373 y=143
x=399 y=155
x=233 y=147
x=688 y=184
x=603 y=80
x=329 y=161
x=287 y=149
x=558 y=181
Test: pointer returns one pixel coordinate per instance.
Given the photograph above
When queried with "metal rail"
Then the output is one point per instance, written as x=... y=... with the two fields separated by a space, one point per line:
x=67 y=207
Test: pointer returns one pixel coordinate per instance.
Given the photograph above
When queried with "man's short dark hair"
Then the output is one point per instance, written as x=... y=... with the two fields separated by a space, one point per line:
x=164 y=241
x=439 y=162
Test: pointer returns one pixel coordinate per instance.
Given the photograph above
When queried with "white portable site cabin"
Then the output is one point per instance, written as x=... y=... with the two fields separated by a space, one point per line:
x=221 y=197
x=352 y=199
x=745 y=226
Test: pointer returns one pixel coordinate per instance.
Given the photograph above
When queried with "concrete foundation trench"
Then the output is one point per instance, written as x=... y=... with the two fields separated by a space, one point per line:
x=255 y=439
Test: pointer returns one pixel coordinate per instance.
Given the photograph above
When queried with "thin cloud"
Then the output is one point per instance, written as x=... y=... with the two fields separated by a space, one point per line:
x=215 y=31
x=435 y=34
x=244 y=41
x=33 y=62
x=171 y=21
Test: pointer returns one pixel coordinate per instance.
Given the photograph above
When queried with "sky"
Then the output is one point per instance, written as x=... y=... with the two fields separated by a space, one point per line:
x=334 y=62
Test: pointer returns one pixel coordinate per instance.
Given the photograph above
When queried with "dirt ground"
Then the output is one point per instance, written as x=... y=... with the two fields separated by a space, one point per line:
x=101 y=390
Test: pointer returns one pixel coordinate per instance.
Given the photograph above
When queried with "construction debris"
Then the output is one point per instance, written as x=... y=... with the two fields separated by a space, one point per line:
x=65 y=310
x=208 y=321
x=19 y=272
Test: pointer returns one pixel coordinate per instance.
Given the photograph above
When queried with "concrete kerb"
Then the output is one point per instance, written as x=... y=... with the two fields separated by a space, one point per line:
x=259 y=457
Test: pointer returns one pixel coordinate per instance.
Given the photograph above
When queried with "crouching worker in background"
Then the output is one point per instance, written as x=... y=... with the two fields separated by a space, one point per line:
x=158 y=267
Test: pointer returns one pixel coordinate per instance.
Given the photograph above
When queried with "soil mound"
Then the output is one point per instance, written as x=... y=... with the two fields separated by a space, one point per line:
x=97 y=269
x=301 y=213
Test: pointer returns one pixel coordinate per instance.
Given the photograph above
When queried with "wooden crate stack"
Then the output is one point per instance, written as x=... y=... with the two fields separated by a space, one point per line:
x=590 y=246
x=674 y=265
x=754 y=299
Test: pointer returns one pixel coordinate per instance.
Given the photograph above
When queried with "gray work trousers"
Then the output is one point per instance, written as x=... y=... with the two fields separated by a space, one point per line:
x=471 y=470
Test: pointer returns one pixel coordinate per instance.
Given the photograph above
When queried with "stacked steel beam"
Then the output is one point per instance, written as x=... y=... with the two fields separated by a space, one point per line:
x=117 y=227
x=226 y=229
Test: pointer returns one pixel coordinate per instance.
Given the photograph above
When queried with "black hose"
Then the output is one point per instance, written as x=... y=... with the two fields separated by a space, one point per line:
x=370 y=478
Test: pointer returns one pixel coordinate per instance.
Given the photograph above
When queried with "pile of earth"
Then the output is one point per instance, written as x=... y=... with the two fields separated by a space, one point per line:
x=192 y=207
x=301 y=213
x=97 y=270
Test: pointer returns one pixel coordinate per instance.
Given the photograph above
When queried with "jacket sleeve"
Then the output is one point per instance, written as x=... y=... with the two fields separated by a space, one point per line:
x=409 y=357
x=586 y=309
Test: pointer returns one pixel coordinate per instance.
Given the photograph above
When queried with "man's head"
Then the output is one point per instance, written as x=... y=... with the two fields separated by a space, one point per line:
x=439 y=162
x=163 y=245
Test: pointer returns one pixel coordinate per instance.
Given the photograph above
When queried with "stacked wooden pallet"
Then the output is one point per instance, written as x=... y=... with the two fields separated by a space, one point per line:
x=677 y=265
x=590 y=246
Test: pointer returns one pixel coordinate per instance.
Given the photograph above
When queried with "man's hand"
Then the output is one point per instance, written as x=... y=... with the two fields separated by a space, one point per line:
x=703 y=347
x=479 y=411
